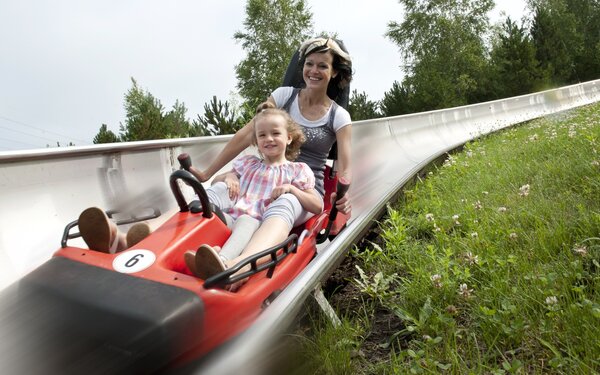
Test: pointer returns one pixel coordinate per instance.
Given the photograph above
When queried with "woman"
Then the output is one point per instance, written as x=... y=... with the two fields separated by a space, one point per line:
x=325 y=68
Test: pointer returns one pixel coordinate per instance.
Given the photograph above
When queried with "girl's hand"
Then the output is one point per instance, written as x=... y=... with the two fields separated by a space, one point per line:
x=233 y=185
x=280 y=190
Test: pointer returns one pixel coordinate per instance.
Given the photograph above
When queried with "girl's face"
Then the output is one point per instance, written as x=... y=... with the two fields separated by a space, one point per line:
x=318 y=69
x=272 y=137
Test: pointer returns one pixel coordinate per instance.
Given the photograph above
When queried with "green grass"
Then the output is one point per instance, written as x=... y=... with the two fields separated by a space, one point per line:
x=489 y=265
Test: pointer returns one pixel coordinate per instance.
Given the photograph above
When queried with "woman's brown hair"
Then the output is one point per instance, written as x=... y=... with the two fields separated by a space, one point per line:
x=294 y=130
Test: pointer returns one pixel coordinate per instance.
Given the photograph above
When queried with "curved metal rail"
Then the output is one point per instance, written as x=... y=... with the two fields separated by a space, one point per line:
x=412 y=146
x=42 y=190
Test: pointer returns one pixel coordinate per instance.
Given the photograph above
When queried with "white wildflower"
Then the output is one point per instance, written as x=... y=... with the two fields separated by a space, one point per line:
x=580 y=250
x=436 y=280
x=455 y=218
x=501 y=209
x=524 y=190
x=478 y=205
x=513 y=236
x=464 y=291
x=474 y=235
x=552 y=300
x=429 y=217
x=471 y=259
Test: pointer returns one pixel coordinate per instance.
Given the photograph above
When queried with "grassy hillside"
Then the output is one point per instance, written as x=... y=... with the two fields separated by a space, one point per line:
x=488 y=265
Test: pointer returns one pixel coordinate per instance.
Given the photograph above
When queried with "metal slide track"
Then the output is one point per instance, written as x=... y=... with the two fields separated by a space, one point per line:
x=43 y=190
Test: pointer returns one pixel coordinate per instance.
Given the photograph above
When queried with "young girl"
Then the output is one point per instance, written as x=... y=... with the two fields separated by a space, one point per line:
x=261 y=181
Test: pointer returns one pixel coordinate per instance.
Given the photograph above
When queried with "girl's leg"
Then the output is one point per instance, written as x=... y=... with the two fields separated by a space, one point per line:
x=280 y=217
x=271 y=232
x=241 y=233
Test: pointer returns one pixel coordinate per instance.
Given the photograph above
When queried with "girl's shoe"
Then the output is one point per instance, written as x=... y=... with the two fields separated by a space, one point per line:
x=208 y=262
x=98 y=232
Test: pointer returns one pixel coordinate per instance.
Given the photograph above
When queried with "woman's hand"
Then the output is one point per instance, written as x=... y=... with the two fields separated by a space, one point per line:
x=233 y=185
x=343 y=205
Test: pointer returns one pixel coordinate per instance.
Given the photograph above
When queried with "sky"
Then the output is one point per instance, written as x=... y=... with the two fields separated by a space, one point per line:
x=66 y=65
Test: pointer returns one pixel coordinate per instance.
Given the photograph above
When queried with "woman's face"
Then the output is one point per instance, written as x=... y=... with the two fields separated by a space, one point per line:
x=318 y=69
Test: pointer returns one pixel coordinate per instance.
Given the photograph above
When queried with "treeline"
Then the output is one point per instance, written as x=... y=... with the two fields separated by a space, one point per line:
x=449 y=51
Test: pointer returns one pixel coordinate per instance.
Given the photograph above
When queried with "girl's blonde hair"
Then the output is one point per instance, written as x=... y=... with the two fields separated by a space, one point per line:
x=294 y=130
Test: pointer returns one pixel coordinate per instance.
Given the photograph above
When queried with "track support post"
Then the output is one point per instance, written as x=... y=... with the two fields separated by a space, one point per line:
x=325 y=306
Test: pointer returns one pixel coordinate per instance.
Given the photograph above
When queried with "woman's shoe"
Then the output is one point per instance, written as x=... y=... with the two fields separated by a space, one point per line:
x=98 y=232
x=137 y=232
x=190 y=261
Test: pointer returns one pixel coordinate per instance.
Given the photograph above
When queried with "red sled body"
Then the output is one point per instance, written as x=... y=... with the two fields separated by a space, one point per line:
x=142 y=310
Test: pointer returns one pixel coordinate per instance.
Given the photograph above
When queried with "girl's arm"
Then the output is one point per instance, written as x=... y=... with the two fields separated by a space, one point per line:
x=240 y=141
x=309 y=199
x=221 y=177
x=232 y=180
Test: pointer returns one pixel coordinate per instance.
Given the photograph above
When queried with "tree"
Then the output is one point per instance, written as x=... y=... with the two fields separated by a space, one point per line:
x=396 y=101
x=175 y=123
x=105 y=136
x=145 y=117
x=361 y=108
x=218 y=119
x=443 y=50
x=587 y=63
x=515 y=70
x=556 y=38
x=274 y=29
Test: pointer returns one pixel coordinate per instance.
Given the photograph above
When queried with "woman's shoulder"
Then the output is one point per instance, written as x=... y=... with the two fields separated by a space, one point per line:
x=281 y=95
x=342 y=118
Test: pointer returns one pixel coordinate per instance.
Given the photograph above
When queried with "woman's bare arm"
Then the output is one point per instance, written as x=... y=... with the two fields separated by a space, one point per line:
x=240 y=141
x=344 y=140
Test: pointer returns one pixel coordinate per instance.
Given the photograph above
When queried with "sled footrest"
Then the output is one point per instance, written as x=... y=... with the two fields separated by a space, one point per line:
x=276 y=253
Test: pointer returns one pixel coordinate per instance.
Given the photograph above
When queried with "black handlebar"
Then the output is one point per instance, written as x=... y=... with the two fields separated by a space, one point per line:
x=341 y=189
x=189 y=179
x=185 y=161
